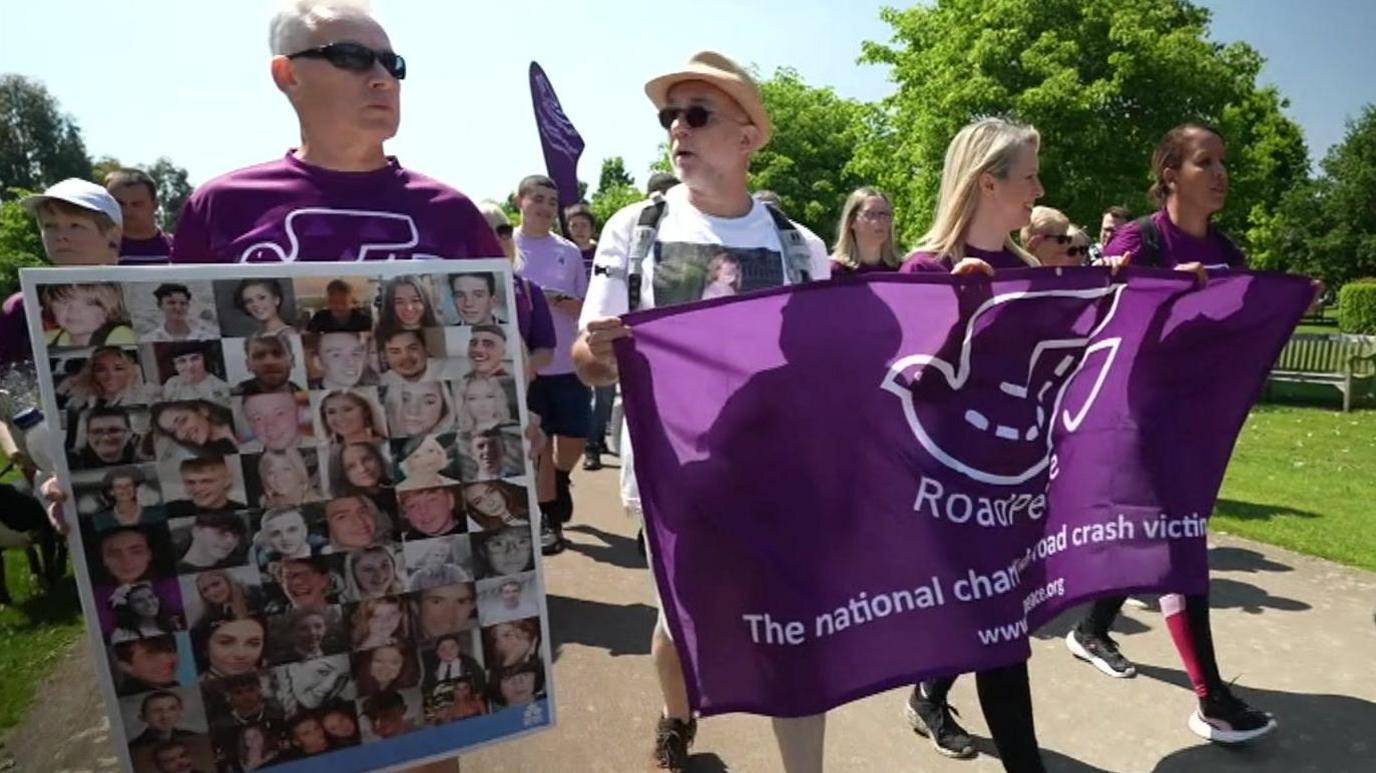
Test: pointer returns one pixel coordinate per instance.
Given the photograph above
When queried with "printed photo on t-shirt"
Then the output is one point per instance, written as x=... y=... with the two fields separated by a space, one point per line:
x=692 y=272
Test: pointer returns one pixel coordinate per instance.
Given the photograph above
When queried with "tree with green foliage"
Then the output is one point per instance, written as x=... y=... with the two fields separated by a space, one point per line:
x=614 y=174
x=1102 y=80
x=39 y=145
x=808 y=160
x=174 y=188
x=1327 y=227
x=21 y=243
x=616 y=188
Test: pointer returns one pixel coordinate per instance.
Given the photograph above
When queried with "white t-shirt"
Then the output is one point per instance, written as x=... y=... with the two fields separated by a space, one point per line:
x=695 y=256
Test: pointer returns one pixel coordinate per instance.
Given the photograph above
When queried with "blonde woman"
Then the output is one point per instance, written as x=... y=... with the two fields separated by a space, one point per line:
x=1047 y=236
x=988 y=188
x=286 y=480
x=425 y=408
x=110 y=376
x=865 y=240
x=1077 y=254
x=482 y=403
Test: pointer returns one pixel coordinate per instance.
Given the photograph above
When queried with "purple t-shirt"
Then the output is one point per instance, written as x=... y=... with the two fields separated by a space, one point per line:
x=532 y=315
x=288 y=210
x=14 y=331
x=153 y=251
x=1214 y=250
x=920 y=261
x=840 y=269
x=555 y=264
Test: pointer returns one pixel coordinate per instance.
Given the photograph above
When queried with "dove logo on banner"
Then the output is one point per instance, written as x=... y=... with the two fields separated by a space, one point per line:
x=376 y=236
x=1007 y=407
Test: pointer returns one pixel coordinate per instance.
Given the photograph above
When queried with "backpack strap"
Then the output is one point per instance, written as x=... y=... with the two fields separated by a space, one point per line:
x=1149 y=252
x=797 y=256
x=642 y=242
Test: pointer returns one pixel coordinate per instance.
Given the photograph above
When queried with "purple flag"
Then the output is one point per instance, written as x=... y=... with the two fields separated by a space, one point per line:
x=559 y=140
x=855 y=484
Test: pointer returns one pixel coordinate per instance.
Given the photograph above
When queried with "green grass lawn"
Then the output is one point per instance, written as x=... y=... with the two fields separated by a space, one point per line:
x=34 y=632
x=1303 y=477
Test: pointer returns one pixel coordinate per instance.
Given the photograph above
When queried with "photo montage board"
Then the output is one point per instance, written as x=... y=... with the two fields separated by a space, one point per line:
x=305 y=526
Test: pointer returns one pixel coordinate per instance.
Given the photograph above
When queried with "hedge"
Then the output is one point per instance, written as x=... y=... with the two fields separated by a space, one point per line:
x=1357 y=307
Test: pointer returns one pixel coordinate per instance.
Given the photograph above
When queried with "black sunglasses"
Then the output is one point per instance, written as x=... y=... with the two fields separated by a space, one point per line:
x=504 y=230
x=356 y=57
x=697 y=116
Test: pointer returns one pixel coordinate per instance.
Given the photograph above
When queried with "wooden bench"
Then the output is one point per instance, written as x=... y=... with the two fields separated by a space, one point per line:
x=1341 y=361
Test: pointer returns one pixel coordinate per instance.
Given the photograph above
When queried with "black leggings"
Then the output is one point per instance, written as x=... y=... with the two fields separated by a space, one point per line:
x=1005 y=695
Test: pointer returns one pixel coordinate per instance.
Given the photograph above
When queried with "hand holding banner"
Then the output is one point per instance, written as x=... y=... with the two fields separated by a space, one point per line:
x=852 y=485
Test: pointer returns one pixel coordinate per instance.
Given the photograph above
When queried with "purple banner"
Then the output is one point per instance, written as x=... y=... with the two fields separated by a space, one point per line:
x=560 y=141
x=855 y=484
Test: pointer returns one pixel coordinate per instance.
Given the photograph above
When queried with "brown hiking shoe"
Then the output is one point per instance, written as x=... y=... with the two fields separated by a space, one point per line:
x=673 y=737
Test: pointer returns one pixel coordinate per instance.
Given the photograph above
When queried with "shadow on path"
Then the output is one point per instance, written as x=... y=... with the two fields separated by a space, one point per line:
x=1235 y=559
x=620 y=629
x=1330 y=733
x=616 y=550
x=1058 y=627
x=1232 y=594
x=1253 y=511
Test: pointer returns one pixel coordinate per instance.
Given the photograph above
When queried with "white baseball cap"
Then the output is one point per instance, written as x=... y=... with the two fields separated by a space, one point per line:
x=78 y=192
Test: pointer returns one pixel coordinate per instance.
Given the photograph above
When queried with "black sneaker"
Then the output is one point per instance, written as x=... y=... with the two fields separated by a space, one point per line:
x=673 y=738
x=592 y=460
x=1226 y=718
x=937 y=721
x=1100 y=651
x=551 y=539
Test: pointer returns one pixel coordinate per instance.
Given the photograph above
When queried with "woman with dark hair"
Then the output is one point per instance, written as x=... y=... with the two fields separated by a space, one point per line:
x=261 y=299
x=256 y=747
x=139 y=613
x=494 y=505
x=230 y=647
x=384 y=668
x=193 y=374
x=406 y=305
x=197 y=427
x=119 y=489
x=358 y=468
x=1191 y=187
x=517 y=685
x=510 y=643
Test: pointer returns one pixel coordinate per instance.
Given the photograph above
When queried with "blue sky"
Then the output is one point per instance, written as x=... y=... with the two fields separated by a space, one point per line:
x=188 y=78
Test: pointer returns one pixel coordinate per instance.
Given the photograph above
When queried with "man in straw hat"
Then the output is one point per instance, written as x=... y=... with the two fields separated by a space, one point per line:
x=716 y=120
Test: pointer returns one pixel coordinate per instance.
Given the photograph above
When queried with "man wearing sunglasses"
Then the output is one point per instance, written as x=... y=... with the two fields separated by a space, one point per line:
x=337 y=197
x=660 y=252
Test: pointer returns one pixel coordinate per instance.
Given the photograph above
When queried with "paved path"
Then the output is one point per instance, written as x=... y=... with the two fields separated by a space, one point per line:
x=1298 y=632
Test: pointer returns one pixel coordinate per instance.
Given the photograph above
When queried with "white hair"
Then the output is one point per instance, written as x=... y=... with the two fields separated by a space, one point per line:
x=293 y=26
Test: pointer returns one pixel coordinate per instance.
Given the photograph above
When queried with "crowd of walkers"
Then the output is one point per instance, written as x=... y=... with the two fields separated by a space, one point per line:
x=700 y=233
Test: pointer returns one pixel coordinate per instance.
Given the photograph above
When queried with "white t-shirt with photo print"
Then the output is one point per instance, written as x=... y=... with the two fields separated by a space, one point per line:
x=695 y=256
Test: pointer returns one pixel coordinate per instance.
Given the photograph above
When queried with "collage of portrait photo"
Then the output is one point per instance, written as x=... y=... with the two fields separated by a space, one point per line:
x=304 y=506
